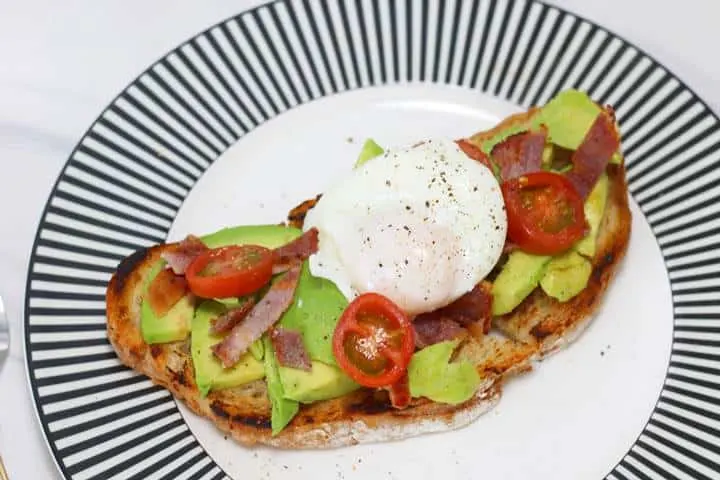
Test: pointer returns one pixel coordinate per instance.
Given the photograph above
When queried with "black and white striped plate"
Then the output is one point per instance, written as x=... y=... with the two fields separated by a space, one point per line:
x=268 y=108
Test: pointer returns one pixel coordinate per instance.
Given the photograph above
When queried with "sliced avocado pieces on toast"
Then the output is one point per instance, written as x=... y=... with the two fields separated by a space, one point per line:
x=283 y=409
x=431 y=374
x=566 y=275
x=174 y=326
x=517 y=279
x=322 y=382
x=315 y=310
x=209 y=371
x=270 y=236
x=594 y=212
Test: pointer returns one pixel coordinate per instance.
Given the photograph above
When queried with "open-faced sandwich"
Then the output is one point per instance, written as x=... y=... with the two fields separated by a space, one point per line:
x=397 y=301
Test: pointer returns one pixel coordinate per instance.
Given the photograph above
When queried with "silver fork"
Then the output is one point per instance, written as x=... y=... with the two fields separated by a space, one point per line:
x=4 y=349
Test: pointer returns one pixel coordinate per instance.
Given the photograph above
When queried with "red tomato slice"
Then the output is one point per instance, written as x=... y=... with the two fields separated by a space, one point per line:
x=373 y=341
x=474 y=152
x=545 y=213
x=232 y=271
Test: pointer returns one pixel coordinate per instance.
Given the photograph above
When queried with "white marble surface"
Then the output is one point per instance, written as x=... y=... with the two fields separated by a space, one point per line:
x=61 y=63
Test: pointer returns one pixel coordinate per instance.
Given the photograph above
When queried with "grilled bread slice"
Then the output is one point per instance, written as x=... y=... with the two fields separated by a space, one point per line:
x=539 y=326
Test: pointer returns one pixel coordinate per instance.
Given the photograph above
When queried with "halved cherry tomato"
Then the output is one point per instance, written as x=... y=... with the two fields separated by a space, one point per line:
x=231 y=271
x=474 y=152
x=373 y=341
x=545 y=212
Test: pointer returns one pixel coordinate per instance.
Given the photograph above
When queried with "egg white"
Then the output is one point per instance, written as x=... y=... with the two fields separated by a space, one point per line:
x=421 y=225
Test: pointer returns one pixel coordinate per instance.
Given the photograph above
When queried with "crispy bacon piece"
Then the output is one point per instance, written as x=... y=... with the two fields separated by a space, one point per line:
x=290 y=349
x=592 y=156
x=430 y=329
x=472 y=311
x=295 y=252
x=400 y=393
x=520 y=153
x=263 y=316
x=225 y=322
x=165 y=291
x=474 y=152
x=181 y=254
x=296 y=217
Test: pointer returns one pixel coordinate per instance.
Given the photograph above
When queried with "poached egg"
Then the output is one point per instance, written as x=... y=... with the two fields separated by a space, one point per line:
x=421 y=225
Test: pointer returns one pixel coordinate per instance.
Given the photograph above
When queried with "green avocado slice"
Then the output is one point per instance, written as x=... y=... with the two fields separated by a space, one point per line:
x=566 y=275
x=322 y=382
x=283 y=409
x=370 y=150
x=314 y=312
x=209 y=372
x=594 y=211
x=518 y=277
x=432 y=375
x=174 y=326
x=270 y=236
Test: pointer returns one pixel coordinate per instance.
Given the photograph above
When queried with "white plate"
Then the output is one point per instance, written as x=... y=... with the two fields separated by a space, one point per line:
x=265 y=110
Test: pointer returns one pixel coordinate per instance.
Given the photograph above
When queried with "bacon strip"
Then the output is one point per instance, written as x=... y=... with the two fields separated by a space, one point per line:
x=225 y=322
x=179 y=256
x=474 y=152
x=592 y=156
x=290 y=349
x=472 y=311
x=520 y=153
x=165 y=291
x=474 y=306
x=295 y=252
x=263 y=316
x=296 y=217
x=430 y=330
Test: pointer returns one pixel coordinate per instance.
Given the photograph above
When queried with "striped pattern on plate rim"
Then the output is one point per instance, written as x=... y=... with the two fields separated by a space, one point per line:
x=128 y=176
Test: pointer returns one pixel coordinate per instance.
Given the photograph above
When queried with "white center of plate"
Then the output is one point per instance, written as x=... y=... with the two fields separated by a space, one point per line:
x=574 y=416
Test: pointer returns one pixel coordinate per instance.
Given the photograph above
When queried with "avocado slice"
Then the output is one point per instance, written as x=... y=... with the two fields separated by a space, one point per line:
x=322 y=382
x=314 y=312
x=594 y=210
x=171 y=327
x=283 y=409
x=518 y=277
x=270 y=236
x=566 y=275
x=257 y=349
x=209 y=372
x=432 y=375
x=370 y=150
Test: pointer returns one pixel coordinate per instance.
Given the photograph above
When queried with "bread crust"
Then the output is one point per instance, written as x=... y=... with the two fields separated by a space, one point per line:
x=540 y=326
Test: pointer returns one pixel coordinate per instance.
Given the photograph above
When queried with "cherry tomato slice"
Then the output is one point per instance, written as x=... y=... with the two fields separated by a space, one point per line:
x=474 y=152
x=545 y=213
x=232 y=271
x=373 y=341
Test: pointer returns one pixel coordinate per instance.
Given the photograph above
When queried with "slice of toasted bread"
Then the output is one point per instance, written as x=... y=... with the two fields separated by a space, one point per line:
x=537 y=327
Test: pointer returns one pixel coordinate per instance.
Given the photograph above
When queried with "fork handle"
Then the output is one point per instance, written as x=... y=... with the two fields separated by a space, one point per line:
x=3 y=472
